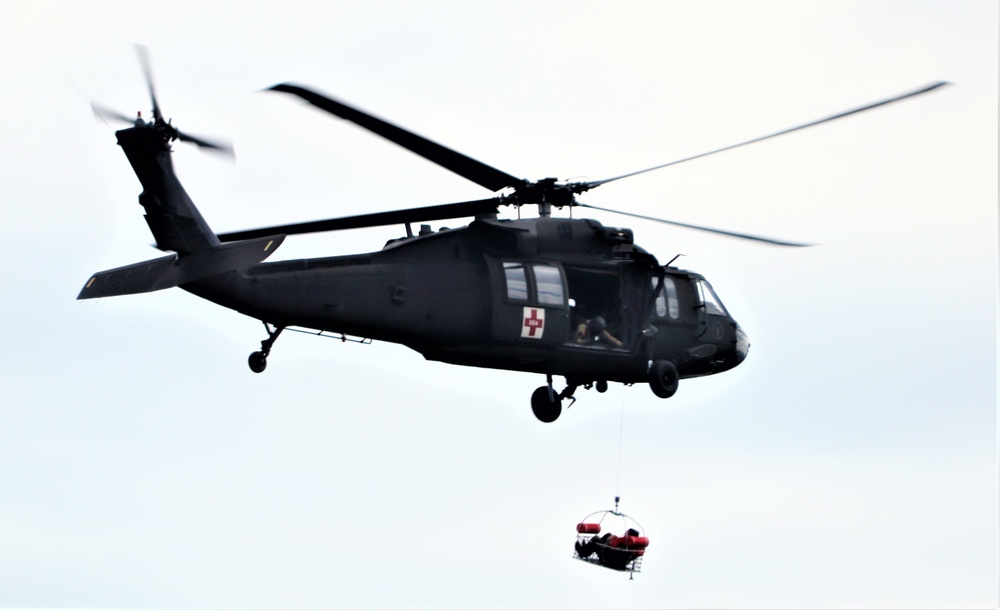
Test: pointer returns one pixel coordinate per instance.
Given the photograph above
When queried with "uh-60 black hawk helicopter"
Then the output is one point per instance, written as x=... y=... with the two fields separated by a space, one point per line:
x=555 y=296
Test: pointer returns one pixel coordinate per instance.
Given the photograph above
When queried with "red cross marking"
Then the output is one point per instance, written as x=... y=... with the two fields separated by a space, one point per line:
x=533 y=322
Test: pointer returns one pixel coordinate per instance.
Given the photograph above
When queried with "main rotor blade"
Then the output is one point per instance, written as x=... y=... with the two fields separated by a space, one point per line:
x=467 y=167
x=434 y=212
x=779 y=133
x=148 y=73
x=766 y=240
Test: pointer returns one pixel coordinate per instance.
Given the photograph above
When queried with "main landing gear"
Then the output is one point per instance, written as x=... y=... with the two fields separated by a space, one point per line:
x=258 y=360
x=663 y=378
x=546 y=403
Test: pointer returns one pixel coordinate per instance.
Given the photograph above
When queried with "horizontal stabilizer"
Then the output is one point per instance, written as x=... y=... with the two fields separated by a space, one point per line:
x=171 y=271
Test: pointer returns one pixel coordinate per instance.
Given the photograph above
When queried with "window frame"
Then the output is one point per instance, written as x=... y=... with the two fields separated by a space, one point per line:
x=666 y=299
x=512 y=295
x=543 y=298
x=534 y=296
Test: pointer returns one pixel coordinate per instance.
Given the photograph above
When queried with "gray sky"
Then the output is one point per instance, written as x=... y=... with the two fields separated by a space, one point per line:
x=850 y=462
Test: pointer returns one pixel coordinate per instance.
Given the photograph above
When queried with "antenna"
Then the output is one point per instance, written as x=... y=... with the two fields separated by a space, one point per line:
x=673 y=259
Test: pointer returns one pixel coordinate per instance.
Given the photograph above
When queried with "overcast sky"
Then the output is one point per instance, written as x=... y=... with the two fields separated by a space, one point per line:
x=850 y=462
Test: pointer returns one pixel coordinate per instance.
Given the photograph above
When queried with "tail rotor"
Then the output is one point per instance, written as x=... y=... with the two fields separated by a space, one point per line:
x=166 y=127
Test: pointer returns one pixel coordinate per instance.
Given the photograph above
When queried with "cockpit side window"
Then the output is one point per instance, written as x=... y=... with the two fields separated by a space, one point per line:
x=548 y=285
x=517 y=281
x=710 y=300
x=666 y=299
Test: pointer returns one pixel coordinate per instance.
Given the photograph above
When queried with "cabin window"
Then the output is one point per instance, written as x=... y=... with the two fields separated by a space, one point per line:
x=710 y=300
x=517 y=281
x=548 y=285
x=666 y=299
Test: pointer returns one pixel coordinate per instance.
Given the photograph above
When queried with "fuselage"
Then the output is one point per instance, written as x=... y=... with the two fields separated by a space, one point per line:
x=503 y=294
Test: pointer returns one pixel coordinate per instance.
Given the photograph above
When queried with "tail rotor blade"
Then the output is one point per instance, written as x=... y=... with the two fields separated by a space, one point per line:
x=225 y=148
x=106 y=114
x=147 y=71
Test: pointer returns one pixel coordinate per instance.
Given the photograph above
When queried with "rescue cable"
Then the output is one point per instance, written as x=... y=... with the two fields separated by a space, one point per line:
x=621 y=434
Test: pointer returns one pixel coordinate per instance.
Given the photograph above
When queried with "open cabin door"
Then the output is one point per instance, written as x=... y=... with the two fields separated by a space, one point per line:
x=612 y=292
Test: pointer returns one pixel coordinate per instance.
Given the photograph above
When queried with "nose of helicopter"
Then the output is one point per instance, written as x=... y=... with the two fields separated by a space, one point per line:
x=742 y=345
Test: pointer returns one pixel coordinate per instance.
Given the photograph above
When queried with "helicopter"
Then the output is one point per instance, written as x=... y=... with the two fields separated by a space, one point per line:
x=566 y=297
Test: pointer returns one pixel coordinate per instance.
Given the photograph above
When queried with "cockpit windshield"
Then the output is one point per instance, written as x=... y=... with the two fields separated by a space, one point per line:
x=710 y=300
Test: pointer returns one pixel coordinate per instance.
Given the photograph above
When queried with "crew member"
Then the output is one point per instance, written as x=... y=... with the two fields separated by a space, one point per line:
x=594 y=330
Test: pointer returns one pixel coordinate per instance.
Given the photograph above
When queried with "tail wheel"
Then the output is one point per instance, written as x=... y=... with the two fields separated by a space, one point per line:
x=663 y=378
x=545 y=405
x=257 y=362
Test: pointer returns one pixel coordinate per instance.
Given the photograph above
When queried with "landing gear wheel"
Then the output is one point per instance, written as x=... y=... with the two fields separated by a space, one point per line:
x=663 y=378
x=602 y=386
x=257 y=362
x=545 y=407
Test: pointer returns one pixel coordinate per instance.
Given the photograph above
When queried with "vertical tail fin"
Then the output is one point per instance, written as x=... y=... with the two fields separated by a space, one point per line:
x=172 y=217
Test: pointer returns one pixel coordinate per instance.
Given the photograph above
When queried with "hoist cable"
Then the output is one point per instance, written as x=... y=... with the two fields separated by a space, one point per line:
x=621 y=430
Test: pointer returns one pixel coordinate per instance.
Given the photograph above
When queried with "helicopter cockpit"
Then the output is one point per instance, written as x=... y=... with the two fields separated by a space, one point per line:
x=685 y=304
